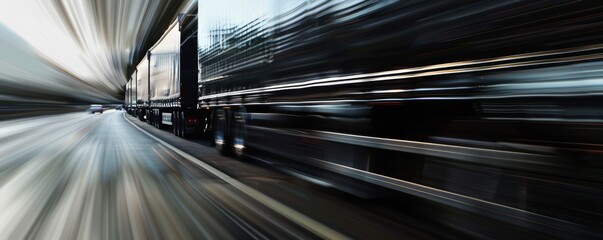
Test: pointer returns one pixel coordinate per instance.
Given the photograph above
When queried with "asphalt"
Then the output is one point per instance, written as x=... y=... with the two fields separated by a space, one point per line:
x=100 y=176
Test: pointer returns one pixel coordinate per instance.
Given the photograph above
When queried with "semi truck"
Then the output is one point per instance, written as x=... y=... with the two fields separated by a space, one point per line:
x=450 y=101
x=164 y=83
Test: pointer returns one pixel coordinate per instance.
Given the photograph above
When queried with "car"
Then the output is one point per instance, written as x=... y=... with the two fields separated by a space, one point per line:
x=96 y=108
x=118 y=108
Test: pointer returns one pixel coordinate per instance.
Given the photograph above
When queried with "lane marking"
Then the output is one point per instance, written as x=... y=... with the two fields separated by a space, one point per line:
x=295 y=216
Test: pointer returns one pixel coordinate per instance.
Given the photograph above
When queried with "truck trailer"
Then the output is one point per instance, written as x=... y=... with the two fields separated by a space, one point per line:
x=450 y=101
x=166 y=79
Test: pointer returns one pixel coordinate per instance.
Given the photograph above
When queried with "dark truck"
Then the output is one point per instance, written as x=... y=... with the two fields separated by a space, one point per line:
x=488 y=107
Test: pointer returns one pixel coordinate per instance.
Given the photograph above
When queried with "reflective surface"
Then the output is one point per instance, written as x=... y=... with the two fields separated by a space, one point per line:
x=489 y=107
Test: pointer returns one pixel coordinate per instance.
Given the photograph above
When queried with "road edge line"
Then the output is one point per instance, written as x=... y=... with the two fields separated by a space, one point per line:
x=293 y=215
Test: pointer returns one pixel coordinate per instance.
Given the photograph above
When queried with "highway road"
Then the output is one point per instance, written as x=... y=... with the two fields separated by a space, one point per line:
x=111 y=176
x=99 y=176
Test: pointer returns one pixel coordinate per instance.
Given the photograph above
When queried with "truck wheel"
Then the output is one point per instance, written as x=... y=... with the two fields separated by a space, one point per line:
x=221 y=136
x=182 y=126
x=149 y=117
x=158 y=120
x=140 y=115
x=175 y=123
x=154 y=119
x=178 y=124
x=239 y=132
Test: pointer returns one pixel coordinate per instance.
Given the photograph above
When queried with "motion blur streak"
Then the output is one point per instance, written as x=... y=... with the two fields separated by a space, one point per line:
x=84 y=176
x=75 y=50
x=293 y=215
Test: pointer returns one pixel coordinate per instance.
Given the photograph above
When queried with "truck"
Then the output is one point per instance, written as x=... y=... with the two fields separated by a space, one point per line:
x=166 y=79
x=450 y=101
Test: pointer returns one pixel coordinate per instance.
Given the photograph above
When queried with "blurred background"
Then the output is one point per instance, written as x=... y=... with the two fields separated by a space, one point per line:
x=59 y=53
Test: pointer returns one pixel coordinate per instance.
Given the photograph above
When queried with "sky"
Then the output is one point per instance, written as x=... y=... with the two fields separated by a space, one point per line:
x=76 y=50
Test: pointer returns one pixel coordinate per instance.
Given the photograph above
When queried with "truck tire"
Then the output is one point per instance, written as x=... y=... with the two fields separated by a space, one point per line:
x=221 y=131
x=182 y=125
x=178 y=124
x=239 y=132
x=150 y=116
x=175 y=124
x=159 y=120
x=140 y=115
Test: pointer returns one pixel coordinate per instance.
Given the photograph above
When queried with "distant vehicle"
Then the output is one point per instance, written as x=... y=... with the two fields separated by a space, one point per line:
x=119 y=108
x=96 y=108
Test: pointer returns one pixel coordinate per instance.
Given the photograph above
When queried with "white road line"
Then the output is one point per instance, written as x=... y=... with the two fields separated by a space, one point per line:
x=295 y=216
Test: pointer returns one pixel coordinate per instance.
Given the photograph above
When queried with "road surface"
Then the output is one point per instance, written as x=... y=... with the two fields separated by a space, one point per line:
x=100 y=176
